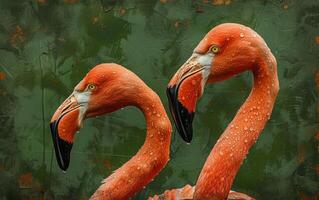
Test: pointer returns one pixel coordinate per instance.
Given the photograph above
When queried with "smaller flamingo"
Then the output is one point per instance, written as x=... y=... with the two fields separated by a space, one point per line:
x=105 y=89
x=227 y=50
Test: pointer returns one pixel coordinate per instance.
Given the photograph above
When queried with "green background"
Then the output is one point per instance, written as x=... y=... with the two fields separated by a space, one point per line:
x=46 y=47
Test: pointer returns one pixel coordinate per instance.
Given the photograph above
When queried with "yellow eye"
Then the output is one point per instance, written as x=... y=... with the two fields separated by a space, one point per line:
x=91 y=86
x=214 y=49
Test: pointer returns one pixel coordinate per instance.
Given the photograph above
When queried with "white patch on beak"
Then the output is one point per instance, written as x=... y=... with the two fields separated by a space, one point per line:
x=205 y=74
x=83 y=100
x=206 y=61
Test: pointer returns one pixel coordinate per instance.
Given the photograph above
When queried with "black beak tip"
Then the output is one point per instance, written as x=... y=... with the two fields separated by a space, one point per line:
x=182 y=117
x=62 y=148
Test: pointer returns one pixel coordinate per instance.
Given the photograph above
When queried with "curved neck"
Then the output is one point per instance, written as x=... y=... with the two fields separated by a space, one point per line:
x=226 y=157
x=149 y=160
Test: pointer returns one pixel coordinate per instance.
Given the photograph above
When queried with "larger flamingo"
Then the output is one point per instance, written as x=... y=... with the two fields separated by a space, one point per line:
x=107 y=88
x=226 y=50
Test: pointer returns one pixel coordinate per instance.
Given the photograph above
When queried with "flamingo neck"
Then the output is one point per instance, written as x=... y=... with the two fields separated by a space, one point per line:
x=225 y=159
x=140 y=170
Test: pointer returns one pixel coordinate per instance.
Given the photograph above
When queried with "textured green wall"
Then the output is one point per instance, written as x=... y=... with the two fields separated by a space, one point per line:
x=47 y=46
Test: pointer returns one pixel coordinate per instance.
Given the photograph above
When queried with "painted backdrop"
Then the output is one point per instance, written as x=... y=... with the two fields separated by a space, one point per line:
x=47 y=46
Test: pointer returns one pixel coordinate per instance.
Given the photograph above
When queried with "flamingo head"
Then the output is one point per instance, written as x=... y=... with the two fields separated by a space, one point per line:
x=226 y=50
x=106 y=88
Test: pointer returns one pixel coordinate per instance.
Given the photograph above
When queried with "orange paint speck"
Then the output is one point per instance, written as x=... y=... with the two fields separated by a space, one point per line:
x=304 y=196
x=301 y=155
x=199 y=9
x=317 y=39
x=107 y=164
x=2 y=76
x=317 y=78
x=221 y=2
x=25 y=180
x=286 y=6
x=122 y=11
x=176 y=24
x=317 y=136
x=17 y=36
x=2 y=168
x=94 y=20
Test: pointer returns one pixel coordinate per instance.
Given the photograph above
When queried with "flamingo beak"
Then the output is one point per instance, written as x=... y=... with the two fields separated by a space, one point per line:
x=65 y=122
x=184 y=90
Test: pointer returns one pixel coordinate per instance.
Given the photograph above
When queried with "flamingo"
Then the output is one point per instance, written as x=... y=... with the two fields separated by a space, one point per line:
x=226 y=50
x=105 y=89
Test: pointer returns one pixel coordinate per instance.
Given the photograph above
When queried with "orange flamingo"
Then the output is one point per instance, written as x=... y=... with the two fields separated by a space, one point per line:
x=107 y=88
x=227 y=50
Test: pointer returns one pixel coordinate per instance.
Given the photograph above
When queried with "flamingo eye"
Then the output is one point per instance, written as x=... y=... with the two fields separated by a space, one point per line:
x=91 y=86
x=214 y=49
